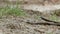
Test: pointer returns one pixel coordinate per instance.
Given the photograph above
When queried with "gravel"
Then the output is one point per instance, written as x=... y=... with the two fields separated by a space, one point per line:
x=17 y=25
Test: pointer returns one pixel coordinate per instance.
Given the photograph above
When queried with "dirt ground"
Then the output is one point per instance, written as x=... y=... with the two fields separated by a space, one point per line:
x=19 y=25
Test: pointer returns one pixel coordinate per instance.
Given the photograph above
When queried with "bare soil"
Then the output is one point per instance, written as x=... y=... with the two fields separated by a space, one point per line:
x=18 y=25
